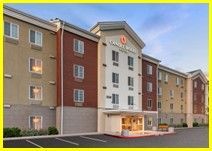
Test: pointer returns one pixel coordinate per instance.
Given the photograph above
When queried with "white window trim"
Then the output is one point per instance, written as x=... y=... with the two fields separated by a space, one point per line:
x=166 y=77
x=81 y=52
x=195 y=84
x=159 y=75
x=41 y=65
x=41 y=92
x=36 y=116
x=115 y=98
x=150 y=86
x=177 y=81
x=35 y=38
x=83 y=76
x=10 y=36
x=77 y=101
x=132 y=59
x=149 y=69
x=115 y=78
x=160 y=92
x=149 y=120
x=171 y=92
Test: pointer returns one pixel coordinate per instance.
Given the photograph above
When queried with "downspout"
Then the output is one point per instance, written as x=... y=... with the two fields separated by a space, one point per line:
x=61 y=72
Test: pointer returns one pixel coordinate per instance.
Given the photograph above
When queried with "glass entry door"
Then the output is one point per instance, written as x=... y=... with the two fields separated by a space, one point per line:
x=132 y=123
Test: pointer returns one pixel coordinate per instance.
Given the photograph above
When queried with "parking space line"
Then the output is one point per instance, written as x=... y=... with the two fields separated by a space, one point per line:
x=33 y=143
x=63 y=140
x=94 y=139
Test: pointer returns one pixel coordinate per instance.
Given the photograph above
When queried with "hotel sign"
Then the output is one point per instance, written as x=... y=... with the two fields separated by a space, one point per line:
x=122 y=45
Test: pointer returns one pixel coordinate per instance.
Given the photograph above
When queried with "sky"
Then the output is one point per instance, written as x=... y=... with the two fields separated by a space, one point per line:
x=176 y=34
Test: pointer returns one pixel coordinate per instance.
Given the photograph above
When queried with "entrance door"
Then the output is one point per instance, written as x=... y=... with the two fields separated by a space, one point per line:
x=132 y=123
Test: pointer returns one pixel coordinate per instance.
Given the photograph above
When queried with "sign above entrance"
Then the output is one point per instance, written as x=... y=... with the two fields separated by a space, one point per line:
x=123 y=46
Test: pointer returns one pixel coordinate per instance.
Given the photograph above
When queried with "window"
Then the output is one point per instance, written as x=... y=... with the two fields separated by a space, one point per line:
x=149 y=103
x=149 y=122
x=181 y=81
x=35 y=122
x=130 y=100
x=130 y=61
x=171 y=106
x=181 y=95
x=195 y=96
x=115 y=56
x=35 y=37
x=166 y=78
x=159 y=75
x=115 y=77
x=159 y=121
x=159 y=105
x=11 y=30
x=181 y=108
x=149 y=86
x=159 y=91
x=203 y=98
x=149 y=69
x=195 y=84
x=130 y=81
x=171 y=121
x=78 y=71
x=78 y=46
x=35 y=92
x=115 y=99
x=171 y=93
x=203 y=87
x=177 y=81
x=78 y=95
x=35 y=65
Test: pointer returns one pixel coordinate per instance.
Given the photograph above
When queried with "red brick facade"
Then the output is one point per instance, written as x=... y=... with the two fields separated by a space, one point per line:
x=149 y=78
x=198 y=96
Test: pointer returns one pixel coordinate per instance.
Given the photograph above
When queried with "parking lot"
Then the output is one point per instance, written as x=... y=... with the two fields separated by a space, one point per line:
x=193 y=137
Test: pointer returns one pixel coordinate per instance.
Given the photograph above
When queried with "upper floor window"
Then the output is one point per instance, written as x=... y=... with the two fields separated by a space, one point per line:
x=181 y=95
x=130 y=100
x=130 y=61
x=203 y=86
x=115 y=99
x=159 y=91
x=149 y=86
x=35 y=65
x=195 y=84
x=171 y=93
x=171 y=106
x=78 y=46
x=159 y=105
x=177 y=81
x=35 y=37
x=130 y=81
x=149 y=103
x=11 y=30
x=115 y=78
x=149 y=69
x=78 y=71
x=181 y=107
x=78 y=95
x=115 y=56
x=166 y=78
x=159 y=75
x=181 y=81
x=35 y=92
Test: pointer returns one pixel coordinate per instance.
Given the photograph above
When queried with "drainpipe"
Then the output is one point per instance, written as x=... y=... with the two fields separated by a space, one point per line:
x=61 y=70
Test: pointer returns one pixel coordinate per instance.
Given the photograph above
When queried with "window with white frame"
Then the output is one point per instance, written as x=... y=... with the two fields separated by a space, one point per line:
x=149 y=69
x=149 y=86
x=115 y=99
x=177 y=81
x=35 y=122
x=159 y=105
x=171 y=121
x=115 y=56
x=195 y=84
x=149 y=121
x=11 y=30
x=130 y=61
x=171 y=93
x=35 y=37
x=166 y=78
x=149 y=103
x=171 y=106
x=181 y=81
x=159 y=120
x=78 y=71
x=35 y=65
x=78 y=95
x=130 y=81
x=35 y=92
x=78 y=46
x=130 y=100
x=159 y=75
x=115 y=78
x=159 y=91
x=203 y=87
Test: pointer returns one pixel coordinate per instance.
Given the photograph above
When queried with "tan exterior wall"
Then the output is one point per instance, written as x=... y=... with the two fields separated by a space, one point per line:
x=16 y=63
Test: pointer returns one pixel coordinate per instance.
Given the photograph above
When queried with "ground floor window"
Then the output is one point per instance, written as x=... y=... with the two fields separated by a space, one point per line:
x=159 y=121
x=35 y=122
x=149 y=122
x=171 y=121
x=132 y=123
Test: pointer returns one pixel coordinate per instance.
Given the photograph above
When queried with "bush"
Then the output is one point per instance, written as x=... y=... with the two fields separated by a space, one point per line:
x=52 y=131
x=185 y=125
x=12 y=132
x=30 y=132
x=42 y=132
x=195 y=124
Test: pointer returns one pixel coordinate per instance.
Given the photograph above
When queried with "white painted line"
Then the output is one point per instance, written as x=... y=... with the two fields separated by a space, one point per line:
x=63 y=140
x=34 y=143
x=94 y=139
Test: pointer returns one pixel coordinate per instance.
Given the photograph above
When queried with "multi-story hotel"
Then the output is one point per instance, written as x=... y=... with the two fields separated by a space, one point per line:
x=57 y=74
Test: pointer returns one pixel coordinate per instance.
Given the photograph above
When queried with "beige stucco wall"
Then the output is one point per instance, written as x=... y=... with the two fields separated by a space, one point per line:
x=165 y=98
x=16 y=63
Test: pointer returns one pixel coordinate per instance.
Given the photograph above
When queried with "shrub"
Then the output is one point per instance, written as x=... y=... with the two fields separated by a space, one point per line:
x=52 y=131
x=195 y=124
x=42 y=132
x=12 y=132
x=30 y=132
x=185 y=125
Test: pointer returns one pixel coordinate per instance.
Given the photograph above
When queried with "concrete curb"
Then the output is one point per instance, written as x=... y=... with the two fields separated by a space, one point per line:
x=51 y=136
x=190 y=127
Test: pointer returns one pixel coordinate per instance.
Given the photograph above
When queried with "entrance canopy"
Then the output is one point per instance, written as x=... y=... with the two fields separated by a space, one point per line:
x=123 y=112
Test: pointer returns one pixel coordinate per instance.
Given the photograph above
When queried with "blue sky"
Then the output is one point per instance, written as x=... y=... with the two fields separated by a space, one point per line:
x=176 y=34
